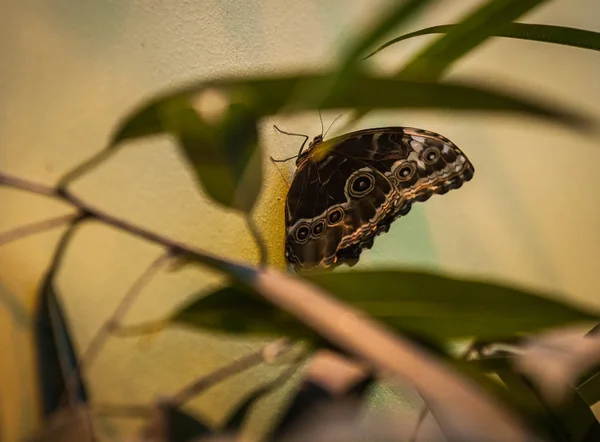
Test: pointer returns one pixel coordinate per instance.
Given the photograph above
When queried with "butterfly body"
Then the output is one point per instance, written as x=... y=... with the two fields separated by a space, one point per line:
x=349 y=189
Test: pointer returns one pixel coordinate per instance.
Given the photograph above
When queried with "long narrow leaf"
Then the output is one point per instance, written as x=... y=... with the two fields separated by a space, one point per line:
x=270 y=95
x=485 y=21
x=560 y=35
x=57 y=362
x=434 y=305
x=223 y=154
x=590 y=389
x=398 y=14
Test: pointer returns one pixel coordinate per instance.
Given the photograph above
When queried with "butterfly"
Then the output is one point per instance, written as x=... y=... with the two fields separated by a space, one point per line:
x=347 y=190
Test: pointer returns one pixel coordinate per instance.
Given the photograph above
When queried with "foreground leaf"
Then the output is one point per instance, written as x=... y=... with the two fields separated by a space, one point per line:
x=171 y=424
x=58 y=372
x=406 y=301
x=463 y=410
x=449 y=307
x=488 y=19
x=561 y=35
x=265 y=96
x=573 y=421
x=221 y=147
x=236 y=309
x=398 y=14
x=590 y=389
x=571 y=354
x=66 y=425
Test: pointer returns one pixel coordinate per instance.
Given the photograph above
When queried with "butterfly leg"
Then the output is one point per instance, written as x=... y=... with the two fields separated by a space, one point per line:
x=295 y=135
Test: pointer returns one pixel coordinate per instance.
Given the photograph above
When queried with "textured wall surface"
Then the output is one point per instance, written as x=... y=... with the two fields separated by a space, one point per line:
x=69 y=69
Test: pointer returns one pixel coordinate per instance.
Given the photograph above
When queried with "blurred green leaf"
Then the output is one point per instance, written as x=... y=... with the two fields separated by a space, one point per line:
x=223 y=153
x=397 y=14
x=590 y=389
x=59 y=377
x=263 y=96
x=181 y=426
x=579 y=421
x=342 y=76
x=572 y=422
x=414 y=302
x=561 y=35
x=236 y=309
x=485 y=21
x=67 y=424
x=449 y=307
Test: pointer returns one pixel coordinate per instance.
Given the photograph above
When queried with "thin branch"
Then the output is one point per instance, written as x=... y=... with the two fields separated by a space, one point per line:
x=145 y=328
x=177 y=247
x=270 y=351
x=124 y=411
x=20 y=183
x=422 y=415
x=474 y=347
x=99 y=340
x=37 y=227
x=84 y=167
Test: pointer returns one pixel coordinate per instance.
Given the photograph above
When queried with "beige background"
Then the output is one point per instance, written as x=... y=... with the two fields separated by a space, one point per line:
x=69 y=69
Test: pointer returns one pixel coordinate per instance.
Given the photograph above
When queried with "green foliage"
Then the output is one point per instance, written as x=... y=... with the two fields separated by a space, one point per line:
x=434 y=305
x=214 y=124
x=561 y=35
x=491 y=17
x=224 y=154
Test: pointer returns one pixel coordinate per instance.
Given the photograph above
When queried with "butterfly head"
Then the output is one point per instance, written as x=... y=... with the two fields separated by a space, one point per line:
x=306 y=152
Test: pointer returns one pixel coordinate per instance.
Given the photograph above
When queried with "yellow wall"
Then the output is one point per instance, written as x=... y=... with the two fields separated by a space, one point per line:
x=69 y=69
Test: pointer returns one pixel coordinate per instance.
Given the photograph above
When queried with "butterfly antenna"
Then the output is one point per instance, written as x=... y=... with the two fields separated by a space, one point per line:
x=321 y=118
x=332 y=123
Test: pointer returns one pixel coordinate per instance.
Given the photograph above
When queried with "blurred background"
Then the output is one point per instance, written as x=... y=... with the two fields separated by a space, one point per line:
x=70 y=69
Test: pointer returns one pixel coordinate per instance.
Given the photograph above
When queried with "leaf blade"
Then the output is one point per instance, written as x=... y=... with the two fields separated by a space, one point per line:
x=434 y=305
x=560 y=35
x=222 y=154
x=432 y=62
x=269 y=95
x=395 y=16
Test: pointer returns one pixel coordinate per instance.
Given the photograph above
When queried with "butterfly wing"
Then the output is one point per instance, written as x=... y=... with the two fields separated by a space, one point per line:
x=351 y=188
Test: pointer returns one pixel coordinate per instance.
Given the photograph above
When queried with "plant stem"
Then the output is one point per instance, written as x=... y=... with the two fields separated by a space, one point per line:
x=270 y=351
x=176 y=247
x=37 y=227
x=99 y=340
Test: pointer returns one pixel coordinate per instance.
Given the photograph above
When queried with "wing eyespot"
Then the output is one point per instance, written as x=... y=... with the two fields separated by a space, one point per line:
x=431 y=155
x=335 y=216
x=318 y=229
x=405 y=171
x=360 y=184
x=302 y=233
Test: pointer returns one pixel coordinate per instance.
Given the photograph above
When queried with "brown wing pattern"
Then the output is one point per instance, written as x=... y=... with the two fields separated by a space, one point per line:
x=340 y=201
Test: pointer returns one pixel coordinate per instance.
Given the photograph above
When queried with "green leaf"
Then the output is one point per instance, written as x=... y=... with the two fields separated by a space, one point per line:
x=590 y=389
x=561 y=35
x=414 y=302
x=60 y=381
x=223 y=153
x=264 y=96
x=449 y=307
x=236 y=309
x=573 y=421
x=181 y=426
x=398 y=14
x=485 y=21
x=340 y=78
